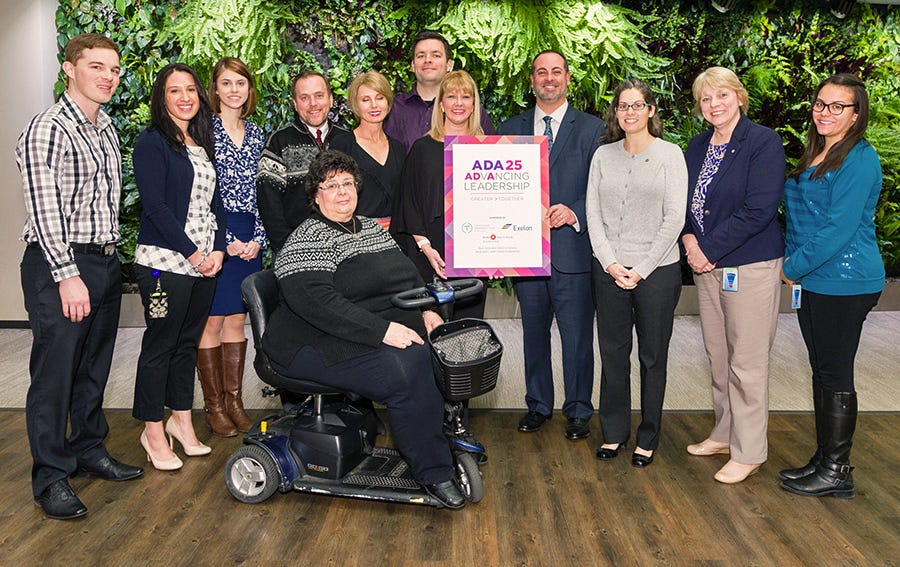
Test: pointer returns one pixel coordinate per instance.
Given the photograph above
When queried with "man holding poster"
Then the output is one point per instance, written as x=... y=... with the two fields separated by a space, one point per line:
x=573 y=137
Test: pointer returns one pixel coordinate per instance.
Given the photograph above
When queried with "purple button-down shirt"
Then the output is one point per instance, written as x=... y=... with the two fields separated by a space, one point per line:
x=410 y=118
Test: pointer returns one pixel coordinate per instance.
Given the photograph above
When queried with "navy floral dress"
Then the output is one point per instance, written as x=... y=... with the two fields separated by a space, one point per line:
x=236 y=173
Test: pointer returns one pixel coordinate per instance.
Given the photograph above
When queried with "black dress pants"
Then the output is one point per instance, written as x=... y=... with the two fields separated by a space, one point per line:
x=649 y=308
x=403 y=381
x=166 y=366
x=69 y=366
x=831 y=326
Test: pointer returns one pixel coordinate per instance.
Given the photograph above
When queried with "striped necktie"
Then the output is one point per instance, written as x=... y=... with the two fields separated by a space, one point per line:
x=548 y=131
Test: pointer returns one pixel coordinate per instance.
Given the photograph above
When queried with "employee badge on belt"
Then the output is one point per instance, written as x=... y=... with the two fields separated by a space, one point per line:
x=159 y=300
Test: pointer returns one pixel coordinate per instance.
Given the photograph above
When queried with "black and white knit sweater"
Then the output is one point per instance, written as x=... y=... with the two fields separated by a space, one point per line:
x=335 y=289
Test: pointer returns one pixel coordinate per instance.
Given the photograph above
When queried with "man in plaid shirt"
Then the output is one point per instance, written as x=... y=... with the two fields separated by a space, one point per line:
x=71 y=174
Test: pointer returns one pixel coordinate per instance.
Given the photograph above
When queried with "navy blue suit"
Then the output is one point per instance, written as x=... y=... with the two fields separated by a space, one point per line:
x=567 y=292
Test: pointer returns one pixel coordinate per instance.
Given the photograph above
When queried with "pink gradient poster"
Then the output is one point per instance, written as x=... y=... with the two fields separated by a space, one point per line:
x=496 y=196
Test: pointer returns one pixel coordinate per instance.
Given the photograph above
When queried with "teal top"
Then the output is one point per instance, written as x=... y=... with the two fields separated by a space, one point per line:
x=830 y=236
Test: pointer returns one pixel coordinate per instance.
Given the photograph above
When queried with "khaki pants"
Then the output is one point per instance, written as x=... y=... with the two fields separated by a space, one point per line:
x=738 y=332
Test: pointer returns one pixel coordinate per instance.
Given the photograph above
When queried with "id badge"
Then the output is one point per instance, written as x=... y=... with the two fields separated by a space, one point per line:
x=795 y=296
x=159 y=300
x=730 y=279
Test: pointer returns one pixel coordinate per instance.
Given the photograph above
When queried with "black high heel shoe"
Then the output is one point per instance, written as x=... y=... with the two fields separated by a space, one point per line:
x=605 y=454
x=639 y=460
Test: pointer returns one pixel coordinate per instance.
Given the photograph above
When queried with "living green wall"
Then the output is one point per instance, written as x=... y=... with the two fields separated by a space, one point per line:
x=780 y=48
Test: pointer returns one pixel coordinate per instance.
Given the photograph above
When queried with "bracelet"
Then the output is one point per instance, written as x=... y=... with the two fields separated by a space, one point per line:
x=423 y=243
x=200 y=263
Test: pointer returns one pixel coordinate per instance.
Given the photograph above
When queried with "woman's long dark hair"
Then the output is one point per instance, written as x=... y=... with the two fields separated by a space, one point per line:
x=815 y=142
x=200 y=126
x=614 y=132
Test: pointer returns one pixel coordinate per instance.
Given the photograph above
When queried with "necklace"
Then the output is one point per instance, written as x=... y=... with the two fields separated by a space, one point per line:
x=353 y=232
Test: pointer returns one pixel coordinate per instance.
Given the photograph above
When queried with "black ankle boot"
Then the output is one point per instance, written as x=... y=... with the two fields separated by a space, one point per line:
x=833 y=472
x=810 y=467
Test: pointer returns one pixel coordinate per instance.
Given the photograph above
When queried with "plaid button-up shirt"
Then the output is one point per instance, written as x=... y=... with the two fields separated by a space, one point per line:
x=72 y=179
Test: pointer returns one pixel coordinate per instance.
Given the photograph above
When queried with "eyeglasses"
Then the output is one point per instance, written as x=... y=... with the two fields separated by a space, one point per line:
x=349 y=185
x=835 y=108
x=637 y=106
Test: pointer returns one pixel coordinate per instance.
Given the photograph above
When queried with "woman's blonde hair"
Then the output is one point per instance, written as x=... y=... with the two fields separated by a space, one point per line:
x=719 y=78
x=456 y=81
x=375 y=81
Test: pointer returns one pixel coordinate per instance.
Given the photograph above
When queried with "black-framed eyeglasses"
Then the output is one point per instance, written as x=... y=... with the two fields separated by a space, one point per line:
x=349 y=185
x=636 y=106
x=835 y=108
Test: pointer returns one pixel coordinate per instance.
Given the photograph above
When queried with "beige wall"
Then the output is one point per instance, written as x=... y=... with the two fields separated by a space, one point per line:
x=28 y=51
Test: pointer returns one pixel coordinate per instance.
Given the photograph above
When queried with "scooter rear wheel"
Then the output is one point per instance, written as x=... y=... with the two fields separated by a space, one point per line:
x=469 y=476
x=251 y=474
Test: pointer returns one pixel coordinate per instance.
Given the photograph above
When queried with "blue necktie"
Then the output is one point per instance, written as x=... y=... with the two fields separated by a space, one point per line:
x=548 y=131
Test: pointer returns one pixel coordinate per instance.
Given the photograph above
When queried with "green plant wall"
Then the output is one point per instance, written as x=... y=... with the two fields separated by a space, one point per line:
x=780 y=48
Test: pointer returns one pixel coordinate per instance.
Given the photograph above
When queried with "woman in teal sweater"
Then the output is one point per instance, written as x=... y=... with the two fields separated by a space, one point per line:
x=831 y=252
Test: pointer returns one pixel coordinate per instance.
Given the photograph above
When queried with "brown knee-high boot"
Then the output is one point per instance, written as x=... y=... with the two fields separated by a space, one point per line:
x=209 y=366
x=233 y=355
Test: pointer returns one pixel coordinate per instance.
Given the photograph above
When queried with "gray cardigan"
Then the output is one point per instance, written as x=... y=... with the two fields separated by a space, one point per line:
x=636 y=205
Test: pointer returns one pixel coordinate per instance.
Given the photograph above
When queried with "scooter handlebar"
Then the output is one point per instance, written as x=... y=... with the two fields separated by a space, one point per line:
x=437 y=293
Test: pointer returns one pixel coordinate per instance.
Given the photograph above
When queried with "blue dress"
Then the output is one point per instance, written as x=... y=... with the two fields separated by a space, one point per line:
x=236 y=172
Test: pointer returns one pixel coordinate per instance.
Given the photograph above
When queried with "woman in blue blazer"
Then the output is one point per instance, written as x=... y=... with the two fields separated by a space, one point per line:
x=181 y=245
x=830 y=199
x=733 y=244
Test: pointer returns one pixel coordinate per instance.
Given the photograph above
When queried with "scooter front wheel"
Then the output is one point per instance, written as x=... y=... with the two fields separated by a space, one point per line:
x=251 y=474
x=469 y=476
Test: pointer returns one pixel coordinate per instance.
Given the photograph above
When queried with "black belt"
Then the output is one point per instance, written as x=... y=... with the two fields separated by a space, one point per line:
x=96 y=249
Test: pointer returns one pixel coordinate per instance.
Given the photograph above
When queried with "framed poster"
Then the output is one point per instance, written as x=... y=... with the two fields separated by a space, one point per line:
x=496 y=197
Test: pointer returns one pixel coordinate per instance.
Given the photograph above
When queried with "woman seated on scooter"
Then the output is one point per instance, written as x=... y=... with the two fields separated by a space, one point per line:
x=335 y=323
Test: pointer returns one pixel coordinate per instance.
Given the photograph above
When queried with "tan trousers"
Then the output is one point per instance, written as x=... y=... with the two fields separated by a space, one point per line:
x=738 y=332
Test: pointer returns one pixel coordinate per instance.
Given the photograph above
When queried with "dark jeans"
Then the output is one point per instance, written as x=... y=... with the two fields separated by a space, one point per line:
x=69 y=366
x=649 y=308
x=165 y=369
x=831 y=326
x=403 y=381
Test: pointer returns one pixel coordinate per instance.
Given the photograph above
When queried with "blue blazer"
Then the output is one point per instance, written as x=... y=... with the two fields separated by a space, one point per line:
x=164 y=178
x=740 y=215
x=579 y=136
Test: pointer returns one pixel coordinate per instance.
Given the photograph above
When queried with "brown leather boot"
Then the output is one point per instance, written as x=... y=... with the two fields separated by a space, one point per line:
x=233 y=355
x=209 y=366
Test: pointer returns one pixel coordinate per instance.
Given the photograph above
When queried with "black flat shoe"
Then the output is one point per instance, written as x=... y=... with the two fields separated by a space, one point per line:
x=638 y=460
x=60 y=503
x=605 y=454
x=577 y=428
x=109 y=468
x=532 y=421
x=448 y=493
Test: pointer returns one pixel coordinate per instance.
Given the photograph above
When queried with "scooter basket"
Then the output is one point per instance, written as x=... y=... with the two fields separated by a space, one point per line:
x=466 y=358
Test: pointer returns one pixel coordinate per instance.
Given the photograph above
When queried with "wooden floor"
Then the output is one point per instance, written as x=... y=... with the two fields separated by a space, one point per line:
x=548 y=501
x=688 y=384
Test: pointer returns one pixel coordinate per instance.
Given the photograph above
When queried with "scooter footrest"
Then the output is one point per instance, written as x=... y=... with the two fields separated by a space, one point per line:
x=381 y=481
x=383 y=468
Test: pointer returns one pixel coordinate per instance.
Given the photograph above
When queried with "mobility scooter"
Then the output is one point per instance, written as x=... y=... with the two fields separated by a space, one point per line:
x=326 y=443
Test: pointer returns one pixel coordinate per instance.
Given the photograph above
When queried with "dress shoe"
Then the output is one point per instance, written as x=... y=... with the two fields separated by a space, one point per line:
x=448 y=493
x=708 y=447
x=60 y=503
x=159 y=464
x=638 y=460
x=577 y=428
x=190 y=450
x=607 y=454
x=734 y=472
x=532 y=421
x=109 y=468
